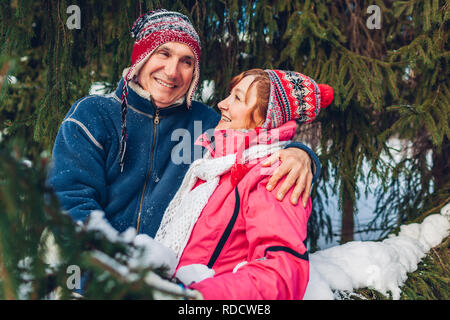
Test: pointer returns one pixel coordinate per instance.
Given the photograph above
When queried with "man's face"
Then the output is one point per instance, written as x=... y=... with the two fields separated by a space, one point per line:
x=168 y=73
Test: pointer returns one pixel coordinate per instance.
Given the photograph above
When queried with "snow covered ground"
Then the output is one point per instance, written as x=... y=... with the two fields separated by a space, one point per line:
x=381 y=265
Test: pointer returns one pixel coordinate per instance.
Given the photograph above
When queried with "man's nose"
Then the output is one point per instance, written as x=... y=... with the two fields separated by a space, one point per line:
x=171 y=69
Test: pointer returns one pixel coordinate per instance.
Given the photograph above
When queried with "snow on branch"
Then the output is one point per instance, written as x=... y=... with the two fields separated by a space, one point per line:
x=144 y=259
x=379 y=265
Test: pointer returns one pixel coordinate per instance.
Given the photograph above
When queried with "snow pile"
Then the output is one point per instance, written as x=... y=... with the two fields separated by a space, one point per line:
x=382 y=266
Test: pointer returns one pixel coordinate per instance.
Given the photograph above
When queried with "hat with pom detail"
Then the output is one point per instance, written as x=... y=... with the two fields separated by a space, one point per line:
x=294 y=96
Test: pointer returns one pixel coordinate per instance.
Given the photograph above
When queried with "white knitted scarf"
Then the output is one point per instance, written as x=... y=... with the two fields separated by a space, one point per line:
x=187 y=204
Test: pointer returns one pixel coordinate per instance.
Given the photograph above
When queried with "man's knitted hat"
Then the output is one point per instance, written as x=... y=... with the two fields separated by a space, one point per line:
x=152 y=30
x=294 y=96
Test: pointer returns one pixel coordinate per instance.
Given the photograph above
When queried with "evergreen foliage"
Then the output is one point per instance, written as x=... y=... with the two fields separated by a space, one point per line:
x=389 y=83
x=430 y=281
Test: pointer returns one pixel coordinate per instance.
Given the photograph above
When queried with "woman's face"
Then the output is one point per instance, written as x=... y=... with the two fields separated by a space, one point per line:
x=236 y=111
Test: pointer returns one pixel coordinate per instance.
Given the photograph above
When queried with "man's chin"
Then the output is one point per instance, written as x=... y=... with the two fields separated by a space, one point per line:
x=164 y=102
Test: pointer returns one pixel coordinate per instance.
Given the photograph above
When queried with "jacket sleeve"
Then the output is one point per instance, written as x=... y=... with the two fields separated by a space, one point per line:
x=315 y=163
x=277 y=264
x=77 y=175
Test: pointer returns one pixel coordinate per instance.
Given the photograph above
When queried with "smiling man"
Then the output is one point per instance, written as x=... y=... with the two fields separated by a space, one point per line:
x=113 y=152
x=168 y=73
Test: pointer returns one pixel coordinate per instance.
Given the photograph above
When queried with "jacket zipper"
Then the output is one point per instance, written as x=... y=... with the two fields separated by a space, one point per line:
x=227 y=231
x=155 y=122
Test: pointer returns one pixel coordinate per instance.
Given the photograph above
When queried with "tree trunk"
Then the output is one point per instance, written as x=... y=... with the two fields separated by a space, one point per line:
x=3 y=73
x=347 y=217
x=441 y=166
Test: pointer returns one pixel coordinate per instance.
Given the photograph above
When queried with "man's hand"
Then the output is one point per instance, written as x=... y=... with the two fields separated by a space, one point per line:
x=296 y=164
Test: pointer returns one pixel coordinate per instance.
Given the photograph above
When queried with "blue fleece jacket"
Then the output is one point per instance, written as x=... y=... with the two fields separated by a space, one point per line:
x=160 y=147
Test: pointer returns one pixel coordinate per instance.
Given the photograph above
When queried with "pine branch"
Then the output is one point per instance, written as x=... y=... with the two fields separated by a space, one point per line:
x=432 y=210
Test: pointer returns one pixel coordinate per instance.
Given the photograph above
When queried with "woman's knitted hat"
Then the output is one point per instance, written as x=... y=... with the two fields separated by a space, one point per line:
x=152 y=30
x=294 y=96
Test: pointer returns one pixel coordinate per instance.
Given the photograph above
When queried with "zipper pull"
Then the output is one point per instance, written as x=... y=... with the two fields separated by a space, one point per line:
x=156 y=119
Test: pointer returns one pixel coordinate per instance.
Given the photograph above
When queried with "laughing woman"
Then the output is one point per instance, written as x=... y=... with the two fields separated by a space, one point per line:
x=223 y=217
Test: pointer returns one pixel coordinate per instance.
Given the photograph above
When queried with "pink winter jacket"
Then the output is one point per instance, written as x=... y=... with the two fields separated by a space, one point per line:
x=244 y=223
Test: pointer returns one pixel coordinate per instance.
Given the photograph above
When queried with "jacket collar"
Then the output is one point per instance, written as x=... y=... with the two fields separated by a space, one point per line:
x=225 y=142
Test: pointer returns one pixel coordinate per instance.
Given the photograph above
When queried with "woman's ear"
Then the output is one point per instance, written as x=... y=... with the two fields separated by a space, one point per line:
x=261 y=123
x=258 y=118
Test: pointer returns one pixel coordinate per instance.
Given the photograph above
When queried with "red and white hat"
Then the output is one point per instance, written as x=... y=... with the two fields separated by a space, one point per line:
x=294 y=96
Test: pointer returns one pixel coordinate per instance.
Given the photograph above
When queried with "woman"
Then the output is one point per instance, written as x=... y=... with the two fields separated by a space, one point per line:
x=223 y=216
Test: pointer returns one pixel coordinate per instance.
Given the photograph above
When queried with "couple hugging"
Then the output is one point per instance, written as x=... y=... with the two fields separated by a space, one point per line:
x=232 y=214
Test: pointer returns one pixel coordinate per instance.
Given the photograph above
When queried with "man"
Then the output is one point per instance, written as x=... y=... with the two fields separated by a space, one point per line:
x=115 y=153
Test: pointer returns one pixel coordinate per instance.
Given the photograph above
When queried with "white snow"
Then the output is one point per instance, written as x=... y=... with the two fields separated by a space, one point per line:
x=380 y=265
x=97 y=222
x=98 y=88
